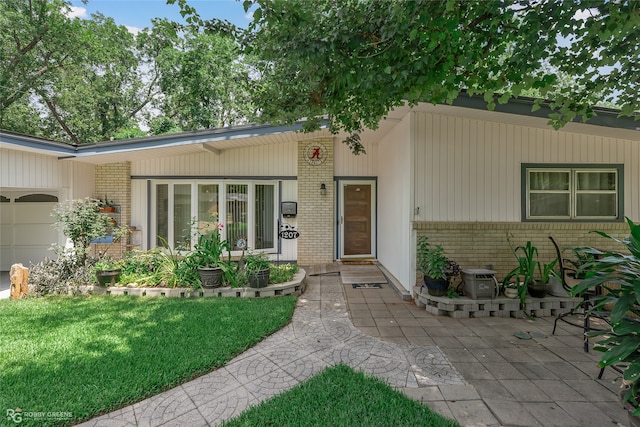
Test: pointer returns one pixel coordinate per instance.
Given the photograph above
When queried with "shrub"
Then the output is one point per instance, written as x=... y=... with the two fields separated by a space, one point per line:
x=282 y=273
x=60 y=276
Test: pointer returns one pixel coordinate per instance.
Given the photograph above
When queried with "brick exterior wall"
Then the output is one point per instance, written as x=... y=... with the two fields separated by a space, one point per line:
x=113 y=180
x=316 y=212
x=478 y=245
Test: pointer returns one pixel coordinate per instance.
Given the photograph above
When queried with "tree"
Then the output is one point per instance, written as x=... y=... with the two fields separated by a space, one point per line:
x=203 y=79
x=355 y=60
x=36 y=39
x=87 y=80
x=100 y=91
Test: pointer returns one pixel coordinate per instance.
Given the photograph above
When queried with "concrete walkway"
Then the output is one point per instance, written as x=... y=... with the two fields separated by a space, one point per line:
x=473 y=370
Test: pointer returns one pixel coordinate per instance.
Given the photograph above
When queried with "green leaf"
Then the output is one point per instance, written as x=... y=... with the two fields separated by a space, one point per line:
x=620 y=352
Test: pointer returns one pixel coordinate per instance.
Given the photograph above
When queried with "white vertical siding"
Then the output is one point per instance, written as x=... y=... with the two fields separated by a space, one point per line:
x=469 y=170
x=290 y=246
x=348 y=164
x=259 y=160
x=394 y=204
x=32 y=171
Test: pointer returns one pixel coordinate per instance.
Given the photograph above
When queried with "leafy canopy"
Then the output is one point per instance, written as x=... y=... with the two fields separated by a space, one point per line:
x=355 y=60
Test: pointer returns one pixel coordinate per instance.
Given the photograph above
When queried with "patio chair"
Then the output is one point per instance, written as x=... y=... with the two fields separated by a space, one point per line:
x=569 y=280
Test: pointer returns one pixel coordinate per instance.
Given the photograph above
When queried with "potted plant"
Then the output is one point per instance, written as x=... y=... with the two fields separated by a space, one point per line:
x=107 y=205
x=256 y=265
x=208 y=258
x=510 y=290
x=621 y=342
x=547 y=274
x=524 y=273
x=107 y=271
x=436 y=268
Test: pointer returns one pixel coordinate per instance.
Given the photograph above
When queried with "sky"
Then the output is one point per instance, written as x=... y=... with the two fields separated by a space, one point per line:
x=137 y=14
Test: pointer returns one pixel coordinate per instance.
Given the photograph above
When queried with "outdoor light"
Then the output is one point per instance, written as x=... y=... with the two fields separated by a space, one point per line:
x=323 y=189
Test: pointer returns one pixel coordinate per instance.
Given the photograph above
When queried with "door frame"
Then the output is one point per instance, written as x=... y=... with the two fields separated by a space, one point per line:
x=341 y=183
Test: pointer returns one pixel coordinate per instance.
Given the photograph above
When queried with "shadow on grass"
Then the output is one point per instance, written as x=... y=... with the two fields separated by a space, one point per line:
x=91 y=355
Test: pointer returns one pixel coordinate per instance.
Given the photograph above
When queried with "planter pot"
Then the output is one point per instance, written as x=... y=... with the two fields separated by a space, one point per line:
x=210 y=277
x=511 y=292
x=436 y=287
x=537 y=290
x=108 y=209
x=108 y=277
x=259 y=279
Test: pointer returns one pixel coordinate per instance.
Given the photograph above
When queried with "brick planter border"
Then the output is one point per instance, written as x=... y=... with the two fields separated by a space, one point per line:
x=465 y=307
x=296 y=286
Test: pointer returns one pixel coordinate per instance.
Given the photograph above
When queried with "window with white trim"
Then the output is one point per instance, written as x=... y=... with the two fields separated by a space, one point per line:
x=246 y=209
x=574 y=192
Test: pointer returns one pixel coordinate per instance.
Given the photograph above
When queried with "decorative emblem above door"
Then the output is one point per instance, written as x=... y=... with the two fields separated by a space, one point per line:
x=315 y=154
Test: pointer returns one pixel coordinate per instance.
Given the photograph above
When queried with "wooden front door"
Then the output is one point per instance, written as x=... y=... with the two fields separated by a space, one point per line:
x=358 y=226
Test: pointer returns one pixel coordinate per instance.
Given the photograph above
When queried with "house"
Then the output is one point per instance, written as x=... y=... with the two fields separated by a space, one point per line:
x=466 y=177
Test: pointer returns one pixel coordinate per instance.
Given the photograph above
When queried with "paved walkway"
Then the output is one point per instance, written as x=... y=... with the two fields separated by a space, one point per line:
x=473 y=370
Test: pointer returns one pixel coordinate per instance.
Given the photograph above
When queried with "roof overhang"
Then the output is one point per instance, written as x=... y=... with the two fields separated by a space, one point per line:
x=32 y=144
x=517 y=111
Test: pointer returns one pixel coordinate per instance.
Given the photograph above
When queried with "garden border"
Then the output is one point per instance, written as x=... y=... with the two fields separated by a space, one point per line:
x=295 y=286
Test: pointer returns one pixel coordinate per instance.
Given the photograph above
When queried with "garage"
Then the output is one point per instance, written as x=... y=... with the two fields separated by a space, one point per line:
x=26 y=227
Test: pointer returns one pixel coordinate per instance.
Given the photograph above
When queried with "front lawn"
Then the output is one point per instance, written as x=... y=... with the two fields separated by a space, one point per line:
x=339 y=396
x=91 y=355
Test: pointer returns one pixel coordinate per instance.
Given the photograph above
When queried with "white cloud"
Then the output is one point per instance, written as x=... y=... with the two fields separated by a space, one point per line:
x=76 y=12
x=133 y=30
x=583 y=14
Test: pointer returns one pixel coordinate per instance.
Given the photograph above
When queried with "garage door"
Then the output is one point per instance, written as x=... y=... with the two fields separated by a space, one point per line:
x=26 y=229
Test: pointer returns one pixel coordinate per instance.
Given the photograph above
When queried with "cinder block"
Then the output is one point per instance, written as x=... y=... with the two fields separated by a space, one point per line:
x=542 y=312
x=532 y=305
x=478 y=314
x=550 y=304
x=435 y=311
x=517 y=314
x=138 y=292
x=459 y=314
x=155 y=292
x=113 y=290
x=446 y=307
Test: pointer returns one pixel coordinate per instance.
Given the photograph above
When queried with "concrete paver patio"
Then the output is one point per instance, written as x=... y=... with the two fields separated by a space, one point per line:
x=473 y=370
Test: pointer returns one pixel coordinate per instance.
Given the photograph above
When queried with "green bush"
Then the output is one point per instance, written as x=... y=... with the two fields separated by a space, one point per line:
x=282 y=273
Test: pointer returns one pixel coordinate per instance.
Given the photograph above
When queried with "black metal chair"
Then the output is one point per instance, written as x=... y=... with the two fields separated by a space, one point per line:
x=569 y=280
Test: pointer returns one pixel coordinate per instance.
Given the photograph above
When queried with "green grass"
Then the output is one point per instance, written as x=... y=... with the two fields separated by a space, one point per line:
x=337 y=397
x=91 y=355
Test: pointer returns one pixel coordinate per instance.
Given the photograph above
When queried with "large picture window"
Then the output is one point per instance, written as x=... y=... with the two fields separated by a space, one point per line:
x=247 y=211
x=566 y=193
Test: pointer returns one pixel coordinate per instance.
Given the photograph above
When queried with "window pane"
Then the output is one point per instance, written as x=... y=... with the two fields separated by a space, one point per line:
x=236 y=223
x=207 y=205
x=265 y=221
x=549 y=205
x=162 y=214
x=596 y=205
x=596 y=180
x=549 y=180
x=182 y=216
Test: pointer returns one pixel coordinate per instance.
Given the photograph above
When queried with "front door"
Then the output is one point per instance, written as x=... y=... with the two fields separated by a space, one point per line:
x=357 y=219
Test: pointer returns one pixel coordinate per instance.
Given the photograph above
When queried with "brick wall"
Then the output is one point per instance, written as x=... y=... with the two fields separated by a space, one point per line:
x=315 y=211
x=113 y=180
x=478 y=245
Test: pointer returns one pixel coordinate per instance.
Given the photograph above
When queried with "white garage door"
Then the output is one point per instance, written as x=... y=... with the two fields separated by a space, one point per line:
x=26 y=230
